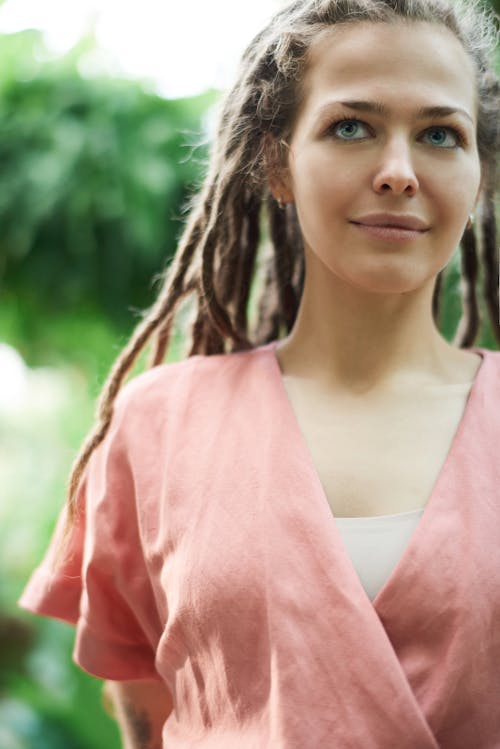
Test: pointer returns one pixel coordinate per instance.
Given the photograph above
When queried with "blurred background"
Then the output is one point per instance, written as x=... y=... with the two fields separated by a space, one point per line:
x=106 y=114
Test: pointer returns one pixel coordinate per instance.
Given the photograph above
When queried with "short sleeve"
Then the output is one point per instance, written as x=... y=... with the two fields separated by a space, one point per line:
x=101 y=583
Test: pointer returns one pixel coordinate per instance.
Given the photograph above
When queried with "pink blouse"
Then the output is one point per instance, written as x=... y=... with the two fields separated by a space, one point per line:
x=205 y=555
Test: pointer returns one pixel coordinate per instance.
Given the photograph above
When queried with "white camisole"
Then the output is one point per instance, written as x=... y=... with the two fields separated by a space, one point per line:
x=375 y=545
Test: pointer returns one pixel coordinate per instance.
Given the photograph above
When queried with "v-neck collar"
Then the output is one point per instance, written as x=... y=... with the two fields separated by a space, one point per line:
x=432 y=504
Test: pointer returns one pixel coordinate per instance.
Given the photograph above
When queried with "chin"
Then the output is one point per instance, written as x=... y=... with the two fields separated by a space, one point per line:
x=391 y=282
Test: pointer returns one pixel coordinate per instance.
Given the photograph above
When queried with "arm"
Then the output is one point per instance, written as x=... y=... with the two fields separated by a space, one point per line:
x=140 y=708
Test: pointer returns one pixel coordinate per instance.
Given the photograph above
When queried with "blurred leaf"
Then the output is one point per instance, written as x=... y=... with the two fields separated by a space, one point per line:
x=94 y=175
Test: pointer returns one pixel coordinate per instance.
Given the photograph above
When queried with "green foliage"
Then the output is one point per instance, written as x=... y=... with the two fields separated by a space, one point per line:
x=52 y=704
x=45 y=700
x=94 y=174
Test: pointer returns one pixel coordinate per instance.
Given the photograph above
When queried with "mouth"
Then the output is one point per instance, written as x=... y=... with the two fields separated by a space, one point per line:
x=389 y=232
x=392 y=227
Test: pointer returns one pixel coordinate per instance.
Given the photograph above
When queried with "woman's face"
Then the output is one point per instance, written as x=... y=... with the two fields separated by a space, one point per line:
x=386 y=135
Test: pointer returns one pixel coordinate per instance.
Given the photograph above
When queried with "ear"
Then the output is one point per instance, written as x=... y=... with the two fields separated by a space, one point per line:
x=276 y=168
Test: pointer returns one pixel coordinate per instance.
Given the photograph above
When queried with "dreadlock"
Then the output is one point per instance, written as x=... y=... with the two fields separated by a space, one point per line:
x=220 y=250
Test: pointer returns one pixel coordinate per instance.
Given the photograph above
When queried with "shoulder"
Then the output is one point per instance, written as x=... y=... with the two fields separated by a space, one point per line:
x=186 y=375
x=494 y=357
x=485 y=392
x=492 y=367
x=174 y=389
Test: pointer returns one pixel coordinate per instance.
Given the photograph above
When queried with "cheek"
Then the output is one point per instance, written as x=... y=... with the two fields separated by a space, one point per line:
x=454 y=191
x=325 y=187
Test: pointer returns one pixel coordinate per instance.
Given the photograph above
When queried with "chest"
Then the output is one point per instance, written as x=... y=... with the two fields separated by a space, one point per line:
x=261 y=598
x=380 y=456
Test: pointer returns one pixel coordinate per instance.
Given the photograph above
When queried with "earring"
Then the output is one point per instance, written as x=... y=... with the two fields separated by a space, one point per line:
x=280 y=203
x=470 y=222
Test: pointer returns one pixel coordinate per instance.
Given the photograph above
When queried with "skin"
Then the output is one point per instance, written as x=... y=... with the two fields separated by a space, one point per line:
x=365 y=319
x=140 y=709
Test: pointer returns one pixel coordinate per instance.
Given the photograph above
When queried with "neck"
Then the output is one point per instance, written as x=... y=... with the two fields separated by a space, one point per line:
x=350 y=338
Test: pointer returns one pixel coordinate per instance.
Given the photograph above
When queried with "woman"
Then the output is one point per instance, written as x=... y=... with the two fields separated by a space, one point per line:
x=295 y=542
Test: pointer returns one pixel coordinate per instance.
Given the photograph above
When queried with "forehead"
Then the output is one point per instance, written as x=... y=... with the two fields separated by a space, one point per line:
x=422 y=62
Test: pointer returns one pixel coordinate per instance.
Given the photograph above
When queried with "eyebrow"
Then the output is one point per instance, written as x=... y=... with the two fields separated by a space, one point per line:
x=379 y=108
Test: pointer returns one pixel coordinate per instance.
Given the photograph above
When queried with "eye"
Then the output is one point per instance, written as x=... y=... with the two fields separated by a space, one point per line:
x=444 y=137
x=348 y=129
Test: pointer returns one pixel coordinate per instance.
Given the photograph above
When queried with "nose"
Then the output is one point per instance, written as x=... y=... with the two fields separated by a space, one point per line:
x=395 y=172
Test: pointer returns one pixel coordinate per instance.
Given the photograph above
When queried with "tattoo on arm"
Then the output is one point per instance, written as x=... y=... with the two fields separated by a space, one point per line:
x=140 y=726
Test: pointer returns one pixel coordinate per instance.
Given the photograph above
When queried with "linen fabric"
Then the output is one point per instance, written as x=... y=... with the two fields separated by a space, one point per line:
x=205 y=554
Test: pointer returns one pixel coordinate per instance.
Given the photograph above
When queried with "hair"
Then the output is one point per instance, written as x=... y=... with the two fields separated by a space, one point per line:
x=218 y=256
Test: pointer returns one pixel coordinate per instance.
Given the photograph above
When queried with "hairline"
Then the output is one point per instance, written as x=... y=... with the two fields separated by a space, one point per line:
x=326 y=29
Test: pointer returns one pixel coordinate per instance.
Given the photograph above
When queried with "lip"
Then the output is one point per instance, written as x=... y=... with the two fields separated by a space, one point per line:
x=389 y=234
x=393 y=220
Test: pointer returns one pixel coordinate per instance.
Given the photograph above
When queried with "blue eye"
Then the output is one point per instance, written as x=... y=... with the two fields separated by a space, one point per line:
x=348 y=129
x=443 y=137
